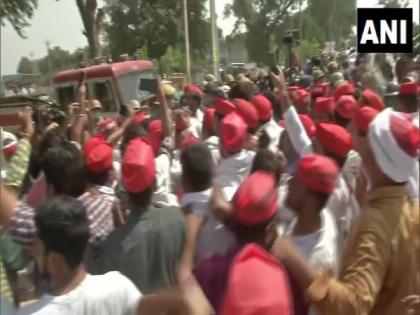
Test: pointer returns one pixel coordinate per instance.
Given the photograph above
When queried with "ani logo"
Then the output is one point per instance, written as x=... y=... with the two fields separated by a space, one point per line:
x=385 y=30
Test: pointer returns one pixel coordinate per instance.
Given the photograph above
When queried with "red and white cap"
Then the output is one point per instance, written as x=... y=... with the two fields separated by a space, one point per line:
x=317 y=172
x=255 y=201
x=138 y=166
x=106 y=124
x=394 y=141
x=11 y=143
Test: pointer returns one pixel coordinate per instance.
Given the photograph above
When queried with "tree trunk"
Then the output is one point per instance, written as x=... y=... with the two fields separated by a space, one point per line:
x=91 y=22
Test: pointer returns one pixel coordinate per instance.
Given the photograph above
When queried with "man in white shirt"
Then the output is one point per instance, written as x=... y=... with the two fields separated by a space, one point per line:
x=313 y=231
x=236 y=161
x=60 y=244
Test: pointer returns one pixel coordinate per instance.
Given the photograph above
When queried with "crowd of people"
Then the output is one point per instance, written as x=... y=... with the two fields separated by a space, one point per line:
x=295 y=193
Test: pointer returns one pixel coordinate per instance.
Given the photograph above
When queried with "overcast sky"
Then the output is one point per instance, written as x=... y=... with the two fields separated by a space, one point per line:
x=59 y=22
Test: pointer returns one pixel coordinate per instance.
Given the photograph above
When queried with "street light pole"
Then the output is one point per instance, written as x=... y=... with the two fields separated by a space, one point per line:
x=214 y=39
x=187 y=41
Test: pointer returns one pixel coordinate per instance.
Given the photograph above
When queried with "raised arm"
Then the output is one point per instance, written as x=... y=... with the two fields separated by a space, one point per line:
x=298 y=136
x=81 y=119
x=164 y=111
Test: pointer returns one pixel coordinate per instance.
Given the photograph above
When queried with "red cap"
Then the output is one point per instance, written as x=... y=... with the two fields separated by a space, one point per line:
x=255 y=201
x=324 y=105
x=139 y=118
x=247 y=111
x=409 y=88
x=155 y=134
x=406 y=134
x=233 y=132
x=99 y=158
x=346 y=106
x=138 y=166
x=309 y=125
x=333 y=138
x=93 y=142
x=106 y=125
x=257 y=285
x=292 y=90
x=193 y=89
x=373 y=99
x=345 y=88
x=188 y=140
x=319 y=89
x=10 y=148
x=317 y=172
x=363 y=116
x=263 y=106
x=208 y=119
x=223 y=106
x=302 y=99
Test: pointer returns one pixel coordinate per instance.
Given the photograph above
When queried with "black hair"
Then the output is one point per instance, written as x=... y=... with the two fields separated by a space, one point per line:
x=64 y=168
x=254 y=233
x=98 y=178
x=340 y=120
x=322 y=199
x=197 y=166
x=265 y=160
x=131 y=132
x=63 y=227
x=409 y=103
x=142 y=199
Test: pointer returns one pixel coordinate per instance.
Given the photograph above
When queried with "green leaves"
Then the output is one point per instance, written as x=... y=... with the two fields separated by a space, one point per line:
x=17 y=12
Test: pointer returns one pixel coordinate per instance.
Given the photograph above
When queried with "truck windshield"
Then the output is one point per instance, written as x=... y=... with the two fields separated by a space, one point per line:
x=130 y=86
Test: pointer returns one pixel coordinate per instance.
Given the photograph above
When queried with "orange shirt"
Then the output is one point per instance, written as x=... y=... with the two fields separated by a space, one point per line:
x=380 y=265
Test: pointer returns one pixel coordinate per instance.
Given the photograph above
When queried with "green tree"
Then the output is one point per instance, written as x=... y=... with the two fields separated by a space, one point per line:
x=156 y=25
x=334 y=18
x=261 y=19
x=60 y=59
x=25 y=66
x=17 y=12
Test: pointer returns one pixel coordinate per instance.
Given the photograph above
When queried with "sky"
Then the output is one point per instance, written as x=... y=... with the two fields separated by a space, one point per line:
x=60 y=23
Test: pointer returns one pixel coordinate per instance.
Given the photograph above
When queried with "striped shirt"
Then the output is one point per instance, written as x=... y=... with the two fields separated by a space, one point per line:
x=99 y=212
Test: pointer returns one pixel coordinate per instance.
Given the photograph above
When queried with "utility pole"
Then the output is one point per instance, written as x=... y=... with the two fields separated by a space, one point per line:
x=187 y=41
x=47 y=44
x=214 y=39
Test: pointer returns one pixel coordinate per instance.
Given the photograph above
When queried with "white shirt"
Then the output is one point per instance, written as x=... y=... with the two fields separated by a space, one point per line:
x=344 y=207
x=108 y=294
x=273 y=131
x=163 y=196
x=297 y=133
x=212 y=143
x=351 y=168
x=320 y=247
x=231 y=172
x=214 y=236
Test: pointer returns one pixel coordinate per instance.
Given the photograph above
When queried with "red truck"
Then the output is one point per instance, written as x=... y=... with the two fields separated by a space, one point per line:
x=112 y=84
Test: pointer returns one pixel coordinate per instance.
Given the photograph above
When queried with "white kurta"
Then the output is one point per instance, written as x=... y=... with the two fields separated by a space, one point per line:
x=212 y=143
x=297 y=133
x=231 y=172
x=273 y=131
x=163 y=196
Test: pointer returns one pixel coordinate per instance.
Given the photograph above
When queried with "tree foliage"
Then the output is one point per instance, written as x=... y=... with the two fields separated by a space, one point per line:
x=17 y=12
x=25 y=66
x=261 y=19
x=334 y=18
x=155 y=25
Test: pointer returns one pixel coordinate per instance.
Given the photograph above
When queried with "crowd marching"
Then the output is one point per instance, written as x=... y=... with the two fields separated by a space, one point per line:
x=289 y=194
